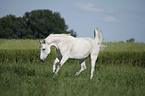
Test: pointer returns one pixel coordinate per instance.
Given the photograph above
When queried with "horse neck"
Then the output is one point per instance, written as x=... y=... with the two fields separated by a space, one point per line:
x=54 y=41
x=52 y=44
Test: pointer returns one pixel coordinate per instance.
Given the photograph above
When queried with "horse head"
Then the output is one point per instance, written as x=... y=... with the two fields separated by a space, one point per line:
x=44 y=50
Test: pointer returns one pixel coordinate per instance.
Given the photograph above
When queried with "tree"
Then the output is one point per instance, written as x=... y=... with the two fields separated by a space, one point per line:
x=34 y=24
x=130 y=40
x=45 y=22
x=12 y=27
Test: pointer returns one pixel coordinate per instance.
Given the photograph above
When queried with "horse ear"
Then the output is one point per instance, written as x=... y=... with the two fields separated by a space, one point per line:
x=42 y=42
x=51 y=34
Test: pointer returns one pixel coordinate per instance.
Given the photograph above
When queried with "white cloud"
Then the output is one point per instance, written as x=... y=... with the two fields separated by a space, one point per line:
x=110 y=19
x=88 y=7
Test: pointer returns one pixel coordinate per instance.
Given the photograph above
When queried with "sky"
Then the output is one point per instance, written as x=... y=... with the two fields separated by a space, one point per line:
x=119 y=20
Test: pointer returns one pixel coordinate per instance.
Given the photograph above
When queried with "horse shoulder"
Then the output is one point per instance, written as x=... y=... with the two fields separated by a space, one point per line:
x=65 y=45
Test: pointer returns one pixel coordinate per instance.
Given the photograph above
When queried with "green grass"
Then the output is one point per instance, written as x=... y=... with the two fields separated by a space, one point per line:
x=124 y=47
x=19 y=44
x=119 y=71
x=36 y=79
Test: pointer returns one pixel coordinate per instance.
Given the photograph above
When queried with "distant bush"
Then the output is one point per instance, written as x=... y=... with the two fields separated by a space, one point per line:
x=130 y=40
x=121 y=41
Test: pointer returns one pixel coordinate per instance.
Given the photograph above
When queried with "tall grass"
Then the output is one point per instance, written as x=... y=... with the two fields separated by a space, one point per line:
x=32 y=56
x=28 y=51
x=36 y=79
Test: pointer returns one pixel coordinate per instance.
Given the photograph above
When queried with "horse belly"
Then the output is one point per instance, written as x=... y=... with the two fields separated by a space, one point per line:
x=80 y=50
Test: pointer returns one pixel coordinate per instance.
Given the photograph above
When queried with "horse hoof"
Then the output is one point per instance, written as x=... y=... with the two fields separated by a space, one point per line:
x=55 y=75
x=77 y=74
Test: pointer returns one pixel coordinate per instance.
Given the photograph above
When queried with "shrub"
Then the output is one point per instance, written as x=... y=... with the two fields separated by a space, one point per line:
x=131 y=40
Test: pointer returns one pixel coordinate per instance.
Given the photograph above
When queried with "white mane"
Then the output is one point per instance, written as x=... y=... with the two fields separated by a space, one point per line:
x=59 y=35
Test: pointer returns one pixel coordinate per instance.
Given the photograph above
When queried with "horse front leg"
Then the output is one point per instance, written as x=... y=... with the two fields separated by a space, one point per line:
x=59 y=57
x=54 y=63
x=63 y=60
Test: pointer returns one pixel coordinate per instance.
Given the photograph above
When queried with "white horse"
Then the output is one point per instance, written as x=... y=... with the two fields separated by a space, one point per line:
x=71 y=47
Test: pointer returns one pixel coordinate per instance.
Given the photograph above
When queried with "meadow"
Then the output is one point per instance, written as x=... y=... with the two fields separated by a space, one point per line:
x=119 y=71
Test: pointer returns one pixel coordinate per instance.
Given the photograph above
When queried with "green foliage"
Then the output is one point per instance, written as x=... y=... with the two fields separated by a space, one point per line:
x=34 y=24
x=130 y=40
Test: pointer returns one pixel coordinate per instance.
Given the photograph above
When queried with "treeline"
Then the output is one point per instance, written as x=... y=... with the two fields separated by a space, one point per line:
x=33 y=25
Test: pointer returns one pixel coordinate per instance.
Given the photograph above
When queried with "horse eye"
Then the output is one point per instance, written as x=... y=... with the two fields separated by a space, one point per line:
x=43 y=49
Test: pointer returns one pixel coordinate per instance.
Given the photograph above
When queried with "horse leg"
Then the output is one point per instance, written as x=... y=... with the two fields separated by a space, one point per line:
x=63 y=60
x=57 y=59
x=83 y=67
x=93 y=61
x=54 y=63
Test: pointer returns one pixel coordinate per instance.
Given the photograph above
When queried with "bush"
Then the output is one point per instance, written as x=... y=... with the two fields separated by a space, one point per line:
x=131 y=40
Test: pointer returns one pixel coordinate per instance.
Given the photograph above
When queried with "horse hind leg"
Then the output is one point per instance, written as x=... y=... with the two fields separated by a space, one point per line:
x=83 y=67
x=93 y=61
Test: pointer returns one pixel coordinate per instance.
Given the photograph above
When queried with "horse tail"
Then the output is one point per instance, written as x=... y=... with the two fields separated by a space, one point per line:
x=98 y=36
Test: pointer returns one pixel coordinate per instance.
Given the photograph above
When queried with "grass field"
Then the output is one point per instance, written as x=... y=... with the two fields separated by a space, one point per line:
x=35 y=79
x=119 y=72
